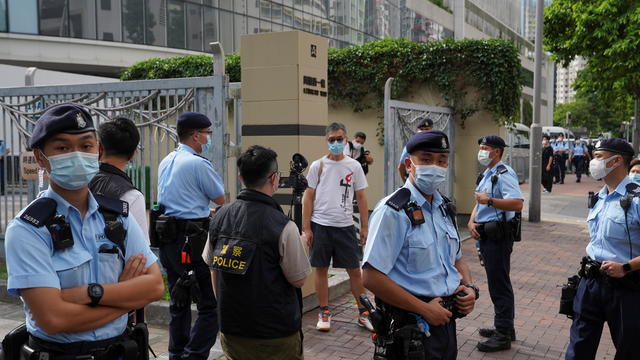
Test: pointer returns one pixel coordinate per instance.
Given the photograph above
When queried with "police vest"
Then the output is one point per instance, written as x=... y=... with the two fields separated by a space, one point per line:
x=254 y=297
x=111 y=182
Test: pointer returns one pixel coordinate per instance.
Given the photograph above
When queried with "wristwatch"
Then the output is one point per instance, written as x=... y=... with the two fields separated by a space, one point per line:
x=490 y=202
x=475 y=288
x=626 y=267
x=95 y=292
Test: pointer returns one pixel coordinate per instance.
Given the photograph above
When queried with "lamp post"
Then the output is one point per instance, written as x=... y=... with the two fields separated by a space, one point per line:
x=535 y=175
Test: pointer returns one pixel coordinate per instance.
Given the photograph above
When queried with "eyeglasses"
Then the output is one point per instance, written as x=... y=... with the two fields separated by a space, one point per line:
x=337 y=138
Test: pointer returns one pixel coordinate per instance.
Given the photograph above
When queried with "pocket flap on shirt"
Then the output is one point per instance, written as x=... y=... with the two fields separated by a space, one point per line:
x=69 y=258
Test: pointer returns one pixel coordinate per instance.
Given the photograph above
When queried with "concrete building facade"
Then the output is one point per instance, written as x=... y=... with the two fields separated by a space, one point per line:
x=565 y=77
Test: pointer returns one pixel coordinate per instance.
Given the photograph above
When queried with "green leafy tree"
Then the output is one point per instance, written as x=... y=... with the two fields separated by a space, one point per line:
x=607 y=34
x=588 y=112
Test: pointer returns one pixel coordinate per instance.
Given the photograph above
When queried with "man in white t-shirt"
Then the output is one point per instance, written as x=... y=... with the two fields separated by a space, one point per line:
x=327 y=221
x=119 y=140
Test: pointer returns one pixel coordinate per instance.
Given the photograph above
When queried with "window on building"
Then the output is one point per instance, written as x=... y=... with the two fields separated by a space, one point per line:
x=82 y=19
x=176 y=24
x=133 y=21
x=109 y=24
x=155 y=22
x=210 y=27
x=53 y=17
x=23 y=16
x=226 y=30
x=194 y=27
x=3 y=15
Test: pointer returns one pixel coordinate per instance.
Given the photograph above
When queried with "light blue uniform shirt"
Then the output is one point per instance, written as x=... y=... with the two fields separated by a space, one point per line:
x=3 y=148
x=404 y=155
x=187 y=183
x=607 y=229
x=418 y=258
x=505 y=188
x=560 y=145
x=32 y=261
x=579 y=150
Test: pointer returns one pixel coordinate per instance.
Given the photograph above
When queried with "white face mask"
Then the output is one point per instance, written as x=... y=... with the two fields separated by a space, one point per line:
x=357 y=146
x=429 y=177
x=598 y=168
x=483 y=157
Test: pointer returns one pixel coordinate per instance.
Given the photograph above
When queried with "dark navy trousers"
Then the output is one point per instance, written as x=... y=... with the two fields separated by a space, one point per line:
x=442 y=344
x=596 y=302
x=186 y=342
x=496 y=253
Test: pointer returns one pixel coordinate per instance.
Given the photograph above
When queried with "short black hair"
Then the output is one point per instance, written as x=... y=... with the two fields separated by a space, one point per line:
x=119 y=137
x=256 y=165
x=633 y=163
x=361 y=135
x=184 y=132
x=545 y=137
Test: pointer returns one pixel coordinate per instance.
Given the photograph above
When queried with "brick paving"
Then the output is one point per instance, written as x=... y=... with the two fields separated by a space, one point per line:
x=549 y=253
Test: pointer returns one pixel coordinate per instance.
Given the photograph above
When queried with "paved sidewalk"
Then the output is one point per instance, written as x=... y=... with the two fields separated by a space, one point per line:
x=549 y=252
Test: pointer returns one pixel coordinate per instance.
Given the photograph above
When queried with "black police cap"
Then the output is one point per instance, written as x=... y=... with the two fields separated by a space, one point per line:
x=493 y=141
x=431 y=140
x=194 y=120
x=63 y=118
x=615 y=145
x=424 y=123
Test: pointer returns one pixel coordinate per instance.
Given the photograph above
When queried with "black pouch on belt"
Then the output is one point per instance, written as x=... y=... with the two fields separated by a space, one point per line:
x=197 y=236
x=13 y=342
x=165 y=229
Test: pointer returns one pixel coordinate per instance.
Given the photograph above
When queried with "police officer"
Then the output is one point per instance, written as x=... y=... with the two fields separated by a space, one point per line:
x=77 y=272
x=609 y=290
x=413 y=260
x=560 y=152
x=187 y=183
x=579 y=157
x=498 y=199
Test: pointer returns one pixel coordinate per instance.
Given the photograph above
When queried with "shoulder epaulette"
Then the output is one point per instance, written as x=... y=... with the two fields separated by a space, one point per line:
x=40 y=211
x=113 y=205
x=399 y=199
x=633 y=189
x=501 y=169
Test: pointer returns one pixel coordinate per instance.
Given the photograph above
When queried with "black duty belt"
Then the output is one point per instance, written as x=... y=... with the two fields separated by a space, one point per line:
x=74 y=349
x=182 y=223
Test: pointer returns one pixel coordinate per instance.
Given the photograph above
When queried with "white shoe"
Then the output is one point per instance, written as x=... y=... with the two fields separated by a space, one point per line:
x=363 y=321
x=324 y=321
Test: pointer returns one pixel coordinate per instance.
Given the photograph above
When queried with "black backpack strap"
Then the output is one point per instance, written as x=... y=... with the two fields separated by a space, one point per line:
x=113 y=229
x=40 y=211
x=399 y=199
x=450 y=209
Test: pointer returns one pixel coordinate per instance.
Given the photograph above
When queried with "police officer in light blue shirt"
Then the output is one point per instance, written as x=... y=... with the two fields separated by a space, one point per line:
x=412 y=259
x=498 y=199
x=76 y=276
x=579 y=156
x=609 y=290
x=560 y=153
x=187 y=183
x=424 y=124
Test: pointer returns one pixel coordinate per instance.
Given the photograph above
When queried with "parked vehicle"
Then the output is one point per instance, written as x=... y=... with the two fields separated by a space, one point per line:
x=516 y=154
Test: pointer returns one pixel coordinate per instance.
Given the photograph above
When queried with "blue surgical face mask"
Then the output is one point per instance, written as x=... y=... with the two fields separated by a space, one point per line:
x=635 y=177
x=73 y=170
x=336 y=147
x=429 y=177
x=206 y=146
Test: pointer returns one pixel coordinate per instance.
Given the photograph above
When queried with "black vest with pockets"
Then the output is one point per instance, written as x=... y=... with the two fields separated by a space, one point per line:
x=255 y=299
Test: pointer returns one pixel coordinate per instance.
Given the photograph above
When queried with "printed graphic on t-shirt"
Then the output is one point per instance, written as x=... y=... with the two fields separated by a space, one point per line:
x=346 y=198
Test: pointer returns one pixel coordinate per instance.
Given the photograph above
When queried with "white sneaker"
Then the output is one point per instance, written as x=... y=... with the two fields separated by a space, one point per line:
x=363 y=321
x=324 y=321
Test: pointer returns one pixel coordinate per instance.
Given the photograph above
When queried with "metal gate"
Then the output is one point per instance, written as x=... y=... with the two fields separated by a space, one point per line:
x=400 y=120
x=153 y=105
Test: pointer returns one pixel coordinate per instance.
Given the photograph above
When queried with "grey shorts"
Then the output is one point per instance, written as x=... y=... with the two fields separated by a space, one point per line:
x=339 y=243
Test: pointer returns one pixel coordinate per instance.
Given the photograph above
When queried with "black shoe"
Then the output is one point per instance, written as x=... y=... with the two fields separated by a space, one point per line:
x=578 y=180
x=562 y=182
x=497 y=342
x=489 y=332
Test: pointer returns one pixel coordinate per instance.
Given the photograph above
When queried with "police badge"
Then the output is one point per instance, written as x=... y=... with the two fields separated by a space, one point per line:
x=80 y=121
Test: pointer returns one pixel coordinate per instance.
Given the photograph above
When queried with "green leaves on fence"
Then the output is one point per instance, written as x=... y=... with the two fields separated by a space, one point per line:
x=357 y=74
